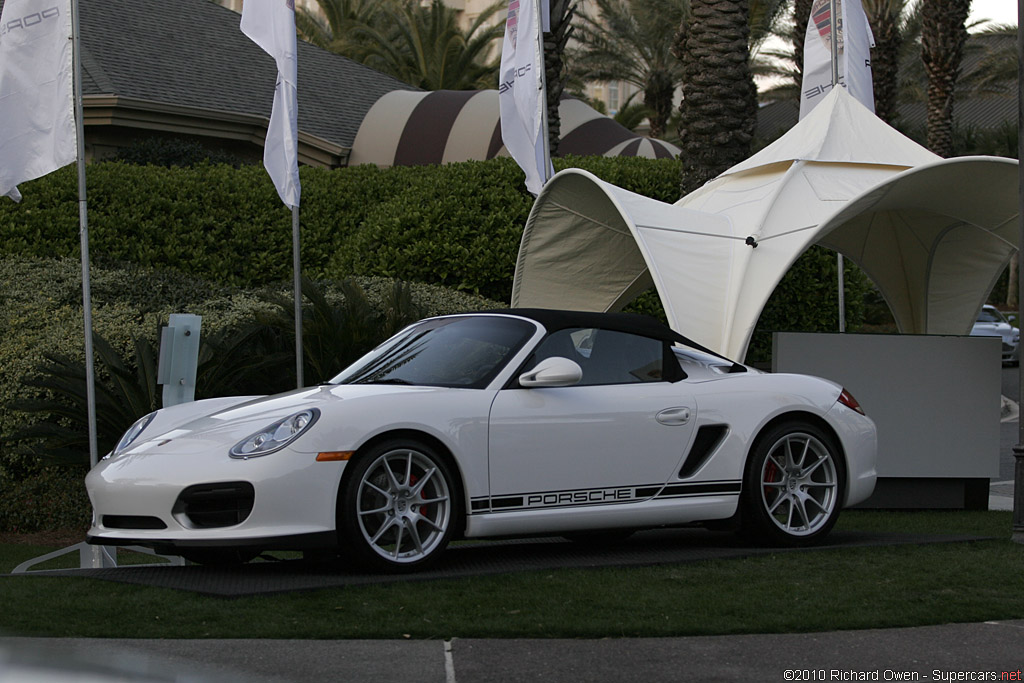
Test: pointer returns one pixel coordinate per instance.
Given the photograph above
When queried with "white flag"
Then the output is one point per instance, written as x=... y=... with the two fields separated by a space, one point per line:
x=37 y=99
x=521 y=95
x=855 y=41
x=271 y=25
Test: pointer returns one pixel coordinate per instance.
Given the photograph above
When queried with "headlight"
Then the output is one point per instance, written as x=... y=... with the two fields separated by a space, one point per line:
x=276 y=436
x=132 y=434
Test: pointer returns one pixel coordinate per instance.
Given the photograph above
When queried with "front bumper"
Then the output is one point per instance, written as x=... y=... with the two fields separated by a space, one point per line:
x=285 y=500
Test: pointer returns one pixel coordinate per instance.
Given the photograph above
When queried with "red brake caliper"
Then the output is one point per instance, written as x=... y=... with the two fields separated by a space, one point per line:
x=770 y=473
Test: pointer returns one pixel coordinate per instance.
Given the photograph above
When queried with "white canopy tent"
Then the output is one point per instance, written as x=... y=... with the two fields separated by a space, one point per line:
x=933 y=234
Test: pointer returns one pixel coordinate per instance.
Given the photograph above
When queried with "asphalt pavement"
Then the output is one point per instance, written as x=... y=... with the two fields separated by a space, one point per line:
x=989 y=651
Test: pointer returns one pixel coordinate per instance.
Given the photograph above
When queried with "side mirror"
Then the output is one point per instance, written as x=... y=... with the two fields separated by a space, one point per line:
x=552 y=372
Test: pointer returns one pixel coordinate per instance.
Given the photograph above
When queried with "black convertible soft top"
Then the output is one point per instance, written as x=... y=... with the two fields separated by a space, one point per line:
x=643 y=325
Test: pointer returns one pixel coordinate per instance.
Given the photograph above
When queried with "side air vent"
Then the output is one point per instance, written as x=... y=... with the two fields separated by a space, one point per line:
x=704 y=444
x=211 y=506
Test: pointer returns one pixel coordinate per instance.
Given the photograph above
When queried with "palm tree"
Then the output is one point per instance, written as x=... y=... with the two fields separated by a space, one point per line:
x=423 y=46
x=718 y=113
x=996 y=72
x=943 y=34
x=801 y=15
x=890 y=22
x=334 y=26
x=632 y=40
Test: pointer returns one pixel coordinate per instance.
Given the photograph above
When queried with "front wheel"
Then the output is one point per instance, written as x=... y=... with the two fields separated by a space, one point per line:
x=397 y=510
x=793 y=485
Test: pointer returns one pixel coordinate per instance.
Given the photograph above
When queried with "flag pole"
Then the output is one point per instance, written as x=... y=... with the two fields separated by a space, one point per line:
x=83 y=232
x=834 y=44
x=1017 y=534
x=543 y=94
x=297 y=270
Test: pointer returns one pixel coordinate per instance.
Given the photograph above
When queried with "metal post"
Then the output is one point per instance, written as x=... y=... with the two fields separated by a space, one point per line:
x=1018 y=450
x=83 y=232
x=297 y=275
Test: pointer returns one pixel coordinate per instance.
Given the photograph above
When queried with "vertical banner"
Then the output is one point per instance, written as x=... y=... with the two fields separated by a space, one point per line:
x=854 y=50
x=271 y=25
x=37 y=105
x=521 y=93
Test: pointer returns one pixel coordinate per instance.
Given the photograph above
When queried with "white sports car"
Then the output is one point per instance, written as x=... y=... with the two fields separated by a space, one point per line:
x=517 y=422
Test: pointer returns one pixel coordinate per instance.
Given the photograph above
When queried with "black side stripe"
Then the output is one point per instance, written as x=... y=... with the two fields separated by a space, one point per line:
x=597 y=497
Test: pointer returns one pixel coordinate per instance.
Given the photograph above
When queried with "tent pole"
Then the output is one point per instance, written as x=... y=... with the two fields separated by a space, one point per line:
x=834 y=45
x=83 y=232
x=297 y=275
x=1018 y=450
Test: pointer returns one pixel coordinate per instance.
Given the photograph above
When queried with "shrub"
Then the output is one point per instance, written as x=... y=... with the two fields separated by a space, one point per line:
x=41 y=317
x=457 y=225
x=170 y=152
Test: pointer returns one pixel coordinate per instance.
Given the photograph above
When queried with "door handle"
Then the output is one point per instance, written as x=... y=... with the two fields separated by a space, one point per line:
x=674 y=416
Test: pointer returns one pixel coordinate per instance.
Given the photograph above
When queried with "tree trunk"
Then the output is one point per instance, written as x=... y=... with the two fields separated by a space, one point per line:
x=562 y=12
x=942 y=44
x=801 y=15
x=719 y=107
x=884 y=18
x=1012 y=288
x=658 y=98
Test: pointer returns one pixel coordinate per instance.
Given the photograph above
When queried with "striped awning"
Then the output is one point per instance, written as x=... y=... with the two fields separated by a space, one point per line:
x=405 y=128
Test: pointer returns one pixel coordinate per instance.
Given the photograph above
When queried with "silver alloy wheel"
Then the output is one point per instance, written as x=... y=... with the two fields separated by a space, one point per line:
x=404 y=506
x=799 y=484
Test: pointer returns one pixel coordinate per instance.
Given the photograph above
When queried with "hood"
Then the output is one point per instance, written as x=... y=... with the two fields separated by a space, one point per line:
x=223 y=422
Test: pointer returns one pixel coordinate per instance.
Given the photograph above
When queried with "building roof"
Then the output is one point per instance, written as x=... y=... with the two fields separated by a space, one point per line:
x=185 y=66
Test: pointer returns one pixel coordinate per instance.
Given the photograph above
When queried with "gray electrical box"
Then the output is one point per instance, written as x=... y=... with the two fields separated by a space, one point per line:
x=179 y=358
x=935 y=401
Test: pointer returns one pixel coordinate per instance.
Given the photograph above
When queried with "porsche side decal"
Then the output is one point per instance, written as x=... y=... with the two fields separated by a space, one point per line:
x=603 y=496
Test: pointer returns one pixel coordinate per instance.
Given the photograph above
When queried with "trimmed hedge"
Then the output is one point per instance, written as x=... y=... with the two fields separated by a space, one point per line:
x=456 y=225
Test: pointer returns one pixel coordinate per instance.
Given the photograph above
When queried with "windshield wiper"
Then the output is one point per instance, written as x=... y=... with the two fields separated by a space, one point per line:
x=388 y=380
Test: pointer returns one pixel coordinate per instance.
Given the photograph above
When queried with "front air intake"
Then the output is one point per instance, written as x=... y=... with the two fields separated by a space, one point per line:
x=211 y=506
x=132 y=522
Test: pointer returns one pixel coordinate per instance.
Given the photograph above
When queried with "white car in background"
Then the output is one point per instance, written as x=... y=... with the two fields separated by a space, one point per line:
x=992 y=323
x=508 y=423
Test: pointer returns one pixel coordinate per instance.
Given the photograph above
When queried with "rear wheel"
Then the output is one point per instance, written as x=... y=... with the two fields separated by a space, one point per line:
x=793 y=486
x=398 y=508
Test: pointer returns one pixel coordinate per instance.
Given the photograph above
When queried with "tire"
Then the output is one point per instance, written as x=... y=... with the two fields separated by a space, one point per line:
x=398 y=508
x=793 y=486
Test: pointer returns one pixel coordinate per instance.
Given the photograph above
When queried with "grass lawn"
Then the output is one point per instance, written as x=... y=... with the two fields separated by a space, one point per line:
x=905 y=585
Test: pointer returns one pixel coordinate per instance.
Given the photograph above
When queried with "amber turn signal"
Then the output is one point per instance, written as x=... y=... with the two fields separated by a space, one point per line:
x=334 y=456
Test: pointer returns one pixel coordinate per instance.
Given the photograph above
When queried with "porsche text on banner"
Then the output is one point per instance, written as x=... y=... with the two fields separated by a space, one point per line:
x=521 y=93
x=855 y=41
x=271 y=25
x=36 y=91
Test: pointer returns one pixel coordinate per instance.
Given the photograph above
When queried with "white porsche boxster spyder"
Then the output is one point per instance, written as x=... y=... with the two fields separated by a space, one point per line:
x=507 y=423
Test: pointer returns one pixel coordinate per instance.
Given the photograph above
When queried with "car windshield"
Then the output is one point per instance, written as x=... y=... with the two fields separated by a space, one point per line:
x=444 y=352
x=990 y=315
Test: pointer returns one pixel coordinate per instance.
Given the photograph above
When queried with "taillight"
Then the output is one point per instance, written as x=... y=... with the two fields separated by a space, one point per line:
x=847 y=399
